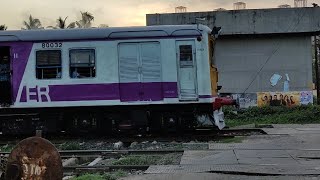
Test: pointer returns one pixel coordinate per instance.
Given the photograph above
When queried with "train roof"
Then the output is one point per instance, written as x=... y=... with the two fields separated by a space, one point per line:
x=103 y=33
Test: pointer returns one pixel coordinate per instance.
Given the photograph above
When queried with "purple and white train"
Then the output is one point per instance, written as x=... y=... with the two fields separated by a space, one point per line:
x=156 y=78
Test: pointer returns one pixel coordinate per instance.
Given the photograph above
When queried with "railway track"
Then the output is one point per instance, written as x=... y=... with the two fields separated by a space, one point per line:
x=199 y=135
x=72 y=164
x=77 y=162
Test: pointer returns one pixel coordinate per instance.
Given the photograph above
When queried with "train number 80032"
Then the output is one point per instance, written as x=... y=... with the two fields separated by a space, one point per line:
x=51 y=45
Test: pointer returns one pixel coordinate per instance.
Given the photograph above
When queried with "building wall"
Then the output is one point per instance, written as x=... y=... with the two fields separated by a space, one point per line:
x=275 y=41
x=251 y=21
x=240 y=59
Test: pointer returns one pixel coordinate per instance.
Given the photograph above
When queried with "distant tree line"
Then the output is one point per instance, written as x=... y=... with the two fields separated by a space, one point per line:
x=61 y=23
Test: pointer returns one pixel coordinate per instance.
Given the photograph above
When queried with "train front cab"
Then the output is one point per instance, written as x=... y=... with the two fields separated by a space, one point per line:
x=219 y=102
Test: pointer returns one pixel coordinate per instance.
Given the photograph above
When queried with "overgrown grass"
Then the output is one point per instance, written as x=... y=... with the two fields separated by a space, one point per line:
x=90 y=176
x=107 y=176
x=70 y=146
x=273 y=115
x=232 y=140
x=167 y=159
x=7 y=148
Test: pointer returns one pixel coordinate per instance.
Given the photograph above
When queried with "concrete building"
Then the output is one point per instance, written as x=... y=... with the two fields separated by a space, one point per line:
x=256 y=44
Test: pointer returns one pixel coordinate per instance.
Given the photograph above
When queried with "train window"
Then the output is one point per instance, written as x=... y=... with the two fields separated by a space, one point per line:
x=48 y=64
x=186 y=53
x=82 y=63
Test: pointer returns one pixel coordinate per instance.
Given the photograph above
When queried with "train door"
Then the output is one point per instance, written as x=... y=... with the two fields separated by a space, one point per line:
x=151 y=71
x=129 y=72
x=187 y=70
x=5 y=77
x=140 y=72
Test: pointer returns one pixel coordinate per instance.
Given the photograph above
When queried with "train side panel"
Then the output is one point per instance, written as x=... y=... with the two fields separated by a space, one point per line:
x=104 y=88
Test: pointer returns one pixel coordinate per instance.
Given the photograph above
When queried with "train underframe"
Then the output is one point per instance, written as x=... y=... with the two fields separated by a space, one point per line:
x=107 y=120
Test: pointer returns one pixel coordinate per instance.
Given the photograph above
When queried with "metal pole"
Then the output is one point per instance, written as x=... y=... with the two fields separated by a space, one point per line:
x=316 y=64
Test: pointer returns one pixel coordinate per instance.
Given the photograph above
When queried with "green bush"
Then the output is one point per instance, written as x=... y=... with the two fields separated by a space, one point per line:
x=107 y=176
x=273 y=115
x=70 y=146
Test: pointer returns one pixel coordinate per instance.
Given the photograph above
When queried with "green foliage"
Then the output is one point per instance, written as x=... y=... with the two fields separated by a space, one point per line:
x=147 y=159
x=70 y=146
x=3 y=27
x=107 y=176
x=137 y=160
x=232 y=140
x=7 y=148
x=89 y=177
x=273 y=115
x=115 y=175
x=32 y=23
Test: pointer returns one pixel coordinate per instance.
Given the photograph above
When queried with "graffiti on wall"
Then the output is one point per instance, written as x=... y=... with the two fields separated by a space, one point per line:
x=306 y=97
x=288 y=99
x=245 y=100
x=261 y=99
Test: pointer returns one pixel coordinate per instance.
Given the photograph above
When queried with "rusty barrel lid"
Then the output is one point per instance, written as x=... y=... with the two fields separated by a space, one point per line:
x=34 y=158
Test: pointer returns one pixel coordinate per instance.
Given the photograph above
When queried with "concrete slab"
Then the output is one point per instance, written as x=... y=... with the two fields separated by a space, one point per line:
x=273 y=142
x=313 y=162
x=210 y=176
x=313 y=130
x=296 y=125
x=280 y=131
x=246 y=146
x=237 y=169
x=307 y=154
x=268 y=161
x=209 y=157
x=262 y=154
x=289 y=151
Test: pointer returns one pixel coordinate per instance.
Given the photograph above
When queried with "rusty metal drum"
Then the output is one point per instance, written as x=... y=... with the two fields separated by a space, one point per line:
x=34 y=159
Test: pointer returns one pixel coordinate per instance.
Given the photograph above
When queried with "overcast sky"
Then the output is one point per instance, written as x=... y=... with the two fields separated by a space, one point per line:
x=112 y=12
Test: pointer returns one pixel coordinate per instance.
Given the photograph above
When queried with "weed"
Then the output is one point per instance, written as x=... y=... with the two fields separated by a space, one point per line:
x=7 y=148
x=232 y=140
x=90 y=176
x=148 y=159
x=273 y=115
x=137 y=160
x=70 y=146
x=107 y=176
x=178 y=147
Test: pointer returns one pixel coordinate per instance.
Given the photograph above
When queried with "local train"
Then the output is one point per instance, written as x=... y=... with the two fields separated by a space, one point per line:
x=148 y=79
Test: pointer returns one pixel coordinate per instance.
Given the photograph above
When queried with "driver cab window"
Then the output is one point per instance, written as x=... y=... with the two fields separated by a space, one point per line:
x=186 y=55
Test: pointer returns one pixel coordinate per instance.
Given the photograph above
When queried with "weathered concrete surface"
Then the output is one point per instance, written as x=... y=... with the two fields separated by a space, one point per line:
x=209 y=157
x=239 y=58
x=211 y=176
x=290 y=150
x=251 y=21
x=237 y=169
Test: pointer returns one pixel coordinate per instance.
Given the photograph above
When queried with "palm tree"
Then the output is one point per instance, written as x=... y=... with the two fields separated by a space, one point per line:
x=3 y=27
x=86 y=19
x=61 y=24
x=103 y=25
x=33 y=23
